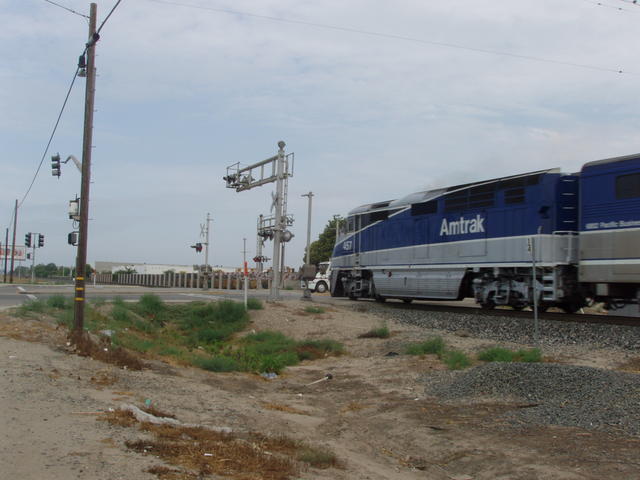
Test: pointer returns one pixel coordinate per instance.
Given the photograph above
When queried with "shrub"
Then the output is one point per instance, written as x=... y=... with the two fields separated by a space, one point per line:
x=455 y=359
x=312 y=349
x=312 y=309
x=120 y=314
x=496 y=354
x=150 y=304
x=499 y=354
x=37 y=306
x=530 y=356
x=217 y=364
x=98 y=302
x=317 y=457
x=254 y=304
x=381 y=332
x=58 y=301
x=118 y=301
x=432 y=346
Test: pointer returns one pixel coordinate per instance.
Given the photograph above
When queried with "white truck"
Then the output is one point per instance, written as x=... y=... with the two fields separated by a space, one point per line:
x=321 y=283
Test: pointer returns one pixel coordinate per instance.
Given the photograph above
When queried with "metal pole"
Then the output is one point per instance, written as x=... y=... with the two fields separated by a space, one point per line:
x=13 y=246
x=259 y=247
x=205 y=286
x=536 y=337
x=310 y=195
x=277 y=238
x=33 y=258
x=86 y=173
x=244 y=272
x=6 y=253
x=307 y=294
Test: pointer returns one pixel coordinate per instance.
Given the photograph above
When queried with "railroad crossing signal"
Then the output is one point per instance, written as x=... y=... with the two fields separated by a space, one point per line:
x=197 y=246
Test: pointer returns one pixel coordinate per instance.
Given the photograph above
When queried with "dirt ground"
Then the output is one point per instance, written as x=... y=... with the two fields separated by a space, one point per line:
x=373 y=413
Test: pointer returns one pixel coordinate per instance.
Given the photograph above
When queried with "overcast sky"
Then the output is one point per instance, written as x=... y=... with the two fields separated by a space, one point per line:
x=184 y=90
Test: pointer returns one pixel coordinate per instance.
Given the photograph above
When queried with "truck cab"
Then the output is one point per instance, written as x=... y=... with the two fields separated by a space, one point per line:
x=320 y=283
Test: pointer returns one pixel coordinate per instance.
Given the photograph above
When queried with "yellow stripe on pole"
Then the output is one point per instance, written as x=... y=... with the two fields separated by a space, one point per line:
x=79 y=278
x=79 y=299
x=79 y=289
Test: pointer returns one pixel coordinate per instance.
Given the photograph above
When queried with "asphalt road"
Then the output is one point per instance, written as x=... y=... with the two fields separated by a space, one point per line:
x=16 y=294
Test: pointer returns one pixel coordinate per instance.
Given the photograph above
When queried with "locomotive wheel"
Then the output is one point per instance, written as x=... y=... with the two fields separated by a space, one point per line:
x=518 y=308
x=407 y=300
x=570 y=307
x=380 y=299
x=488 y=305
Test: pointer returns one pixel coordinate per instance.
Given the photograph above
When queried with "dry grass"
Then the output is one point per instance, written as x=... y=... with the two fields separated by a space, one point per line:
x=353 y=407
x=199 y=451
x=103 y=351
x=156 y=412
x=631 y=365
x=104 y=379
x=284 y=408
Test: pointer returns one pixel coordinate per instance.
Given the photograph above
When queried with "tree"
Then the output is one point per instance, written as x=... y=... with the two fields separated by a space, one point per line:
x=321 y=249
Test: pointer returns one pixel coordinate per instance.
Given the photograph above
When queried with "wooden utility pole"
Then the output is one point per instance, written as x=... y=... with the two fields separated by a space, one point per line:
x=81 y=260
x=13 y=245
x=6 y=253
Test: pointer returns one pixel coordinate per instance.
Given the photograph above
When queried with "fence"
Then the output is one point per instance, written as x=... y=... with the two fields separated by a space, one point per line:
x=217 y=280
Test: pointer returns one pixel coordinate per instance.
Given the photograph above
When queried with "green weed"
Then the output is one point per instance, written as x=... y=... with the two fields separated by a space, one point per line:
x=455 y=359
x=254 y=304
x=381 y=332
x=432 y=346
x=31 y=306
x=499 y=354
x=315 y=310
x=59 y=301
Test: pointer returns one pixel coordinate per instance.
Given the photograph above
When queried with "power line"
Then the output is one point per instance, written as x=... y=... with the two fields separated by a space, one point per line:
x=396 y=37
x=107 y=17
x=55 y=127
x=67 y=8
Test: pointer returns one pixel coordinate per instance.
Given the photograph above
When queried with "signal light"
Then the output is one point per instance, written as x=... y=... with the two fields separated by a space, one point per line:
x=72 y=238
x=40 y=240
x=55 y=165
x=27 y=240
x=197 y=246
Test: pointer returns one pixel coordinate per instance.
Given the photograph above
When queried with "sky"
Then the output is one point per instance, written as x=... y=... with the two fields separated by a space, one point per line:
x=377 y=99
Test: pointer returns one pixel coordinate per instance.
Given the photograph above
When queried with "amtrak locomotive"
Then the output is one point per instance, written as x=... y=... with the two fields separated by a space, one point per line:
x=579 y=233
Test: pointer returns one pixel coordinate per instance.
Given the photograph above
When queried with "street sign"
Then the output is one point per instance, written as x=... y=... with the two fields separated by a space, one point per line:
x=19 y=255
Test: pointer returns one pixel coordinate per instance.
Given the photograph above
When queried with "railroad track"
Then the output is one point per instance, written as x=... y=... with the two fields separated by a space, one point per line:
x=472 y=309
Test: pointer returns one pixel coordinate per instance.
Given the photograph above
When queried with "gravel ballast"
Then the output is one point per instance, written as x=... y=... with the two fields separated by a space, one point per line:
x=553 y=394
x=513 y=329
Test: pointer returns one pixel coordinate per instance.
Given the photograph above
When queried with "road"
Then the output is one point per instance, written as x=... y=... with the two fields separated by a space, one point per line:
x=16 y=294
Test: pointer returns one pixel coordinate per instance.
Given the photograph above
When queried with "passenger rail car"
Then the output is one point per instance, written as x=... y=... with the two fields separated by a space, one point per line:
x=482 y=239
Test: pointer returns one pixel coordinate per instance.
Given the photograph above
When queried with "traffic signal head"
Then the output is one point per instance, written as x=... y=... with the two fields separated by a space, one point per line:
x=40 y=240
x=55 y=165
x=198 y=247
x=27 y=240
x=72 y=238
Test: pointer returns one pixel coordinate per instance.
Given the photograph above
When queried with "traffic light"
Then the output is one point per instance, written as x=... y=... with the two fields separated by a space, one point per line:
x=72 y=238
x=40 y=240
x=55 y=165
x=197 y=246
x=27 y=240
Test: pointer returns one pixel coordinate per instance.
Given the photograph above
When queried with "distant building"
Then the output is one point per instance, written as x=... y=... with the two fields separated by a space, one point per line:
x=152 y=268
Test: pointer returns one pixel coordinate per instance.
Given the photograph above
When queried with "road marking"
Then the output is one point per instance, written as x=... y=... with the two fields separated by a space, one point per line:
x=32 y=297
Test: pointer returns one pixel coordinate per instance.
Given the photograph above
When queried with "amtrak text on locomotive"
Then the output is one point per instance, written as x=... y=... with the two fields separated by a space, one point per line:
x=462 y=226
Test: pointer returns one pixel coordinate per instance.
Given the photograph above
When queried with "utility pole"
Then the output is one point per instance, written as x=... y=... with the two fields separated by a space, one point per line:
x=307 y=294
x=34 y=236
x=81 y=260
x=13 y=246
x=6 y=253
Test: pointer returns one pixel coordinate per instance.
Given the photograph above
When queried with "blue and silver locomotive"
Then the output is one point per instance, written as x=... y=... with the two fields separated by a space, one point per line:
x=579 y=233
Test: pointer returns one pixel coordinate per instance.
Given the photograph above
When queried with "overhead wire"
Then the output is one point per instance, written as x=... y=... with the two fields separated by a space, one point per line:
x=67 y=9
x=55 y=127
x=64 y=104
x=394 y=37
